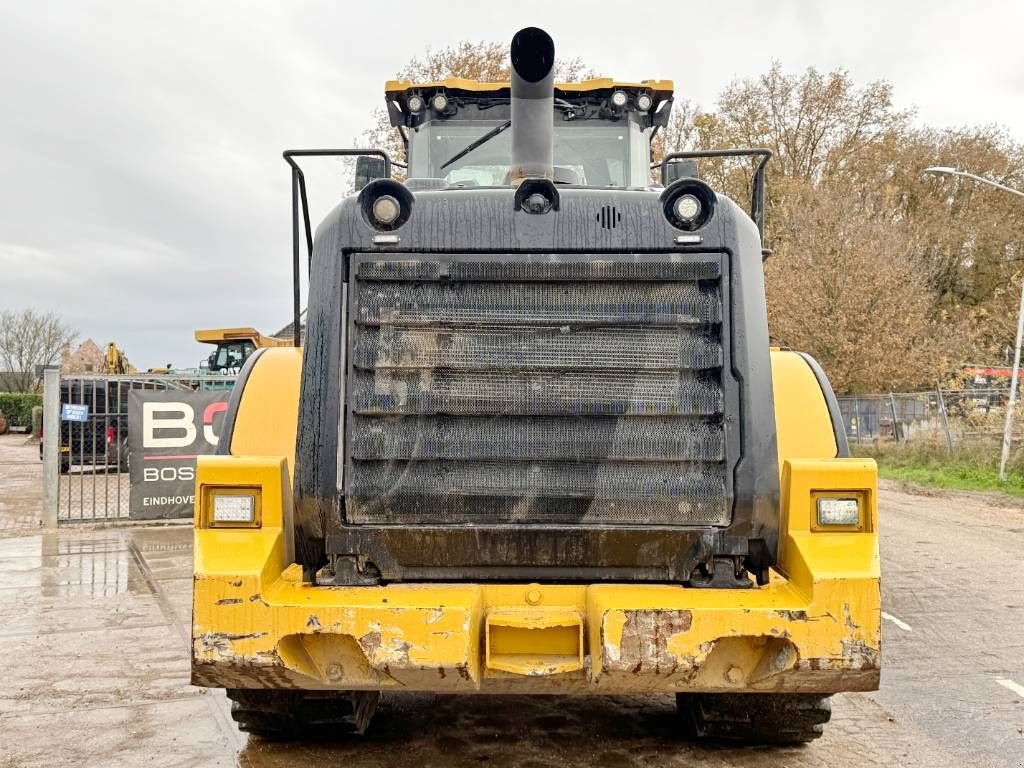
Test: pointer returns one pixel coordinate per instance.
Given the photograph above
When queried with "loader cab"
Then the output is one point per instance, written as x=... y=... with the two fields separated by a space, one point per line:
x=232 y=347
x=230 y=356
x=456 y=131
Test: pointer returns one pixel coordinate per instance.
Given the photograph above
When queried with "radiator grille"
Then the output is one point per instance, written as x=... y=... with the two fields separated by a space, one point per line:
x=536 y=389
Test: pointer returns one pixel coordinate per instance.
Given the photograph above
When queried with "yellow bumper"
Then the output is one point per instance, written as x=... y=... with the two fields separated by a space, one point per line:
x=258 y=624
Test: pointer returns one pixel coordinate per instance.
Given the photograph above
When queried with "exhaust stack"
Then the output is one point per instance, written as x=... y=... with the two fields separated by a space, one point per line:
x=533 y=104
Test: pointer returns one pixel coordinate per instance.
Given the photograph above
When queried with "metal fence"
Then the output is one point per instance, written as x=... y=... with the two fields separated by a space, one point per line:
x=84 y=445
x=940 y=415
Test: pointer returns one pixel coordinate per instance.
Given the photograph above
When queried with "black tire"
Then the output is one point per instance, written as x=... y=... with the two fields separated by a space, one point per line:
x=754 y=718
x=307 y=715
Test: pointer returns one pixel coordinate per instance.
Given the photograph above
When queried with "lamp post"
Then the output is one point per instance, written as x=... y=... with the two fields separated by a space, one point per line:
x=1008 y=426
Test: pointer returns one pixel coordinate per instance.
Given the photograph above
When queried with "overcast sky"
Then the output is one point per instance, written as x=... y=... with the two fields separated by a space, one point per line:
x=142 y=190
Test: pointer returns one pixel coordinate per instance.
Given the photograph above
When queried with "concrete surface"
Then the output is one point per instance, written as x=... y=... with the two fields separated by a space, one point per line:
x=94 y=648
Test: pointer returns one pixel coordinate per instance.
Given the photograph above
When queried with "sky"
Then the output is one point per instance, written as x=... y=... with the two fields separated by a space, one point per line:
x=142 y=190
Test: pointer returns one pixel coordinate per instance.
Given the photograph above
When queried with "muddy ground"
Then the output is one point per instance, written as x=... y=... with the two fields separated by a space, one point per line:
x=94 y=660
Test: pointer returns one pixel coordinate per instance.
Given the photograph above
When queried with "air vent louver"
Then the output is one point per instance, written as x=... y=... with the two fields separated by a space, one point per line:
x=609 y=217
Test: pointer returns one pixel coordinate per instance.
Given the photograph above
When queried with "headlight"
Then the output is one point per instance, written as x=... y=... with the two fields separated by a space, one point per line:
x=386 y=204
x=687 y=208
x=386 y=209
x=838 y=512
x=688 y=204
x=234 y=508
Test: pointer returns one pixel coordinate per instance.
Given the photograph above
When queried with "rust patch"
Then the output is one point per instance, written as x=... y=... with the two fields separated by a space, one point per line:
x=314 y=624
x=793 y=615
x=850 y=625
x=370 y=642
x=434 y=615
x=236 y=583
x=220 y=642
x=229 y=601
x=644 y=645
x=859 y=655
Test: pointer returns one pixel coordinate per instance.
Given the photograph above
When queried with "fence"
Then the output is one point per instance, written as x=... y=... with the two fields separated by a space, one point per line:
x=940 y=415
x=85 y=447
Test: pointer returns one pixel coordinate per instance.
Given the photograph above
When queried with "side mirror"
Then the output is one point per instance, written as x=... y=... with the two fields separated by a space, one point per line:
x=369 y=168
x=679 y=169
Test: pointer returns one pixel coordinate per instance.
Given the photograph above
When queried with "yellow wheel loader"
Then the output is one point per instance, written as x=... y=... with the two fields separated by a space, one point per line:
x=536 y=440
x=233 y=346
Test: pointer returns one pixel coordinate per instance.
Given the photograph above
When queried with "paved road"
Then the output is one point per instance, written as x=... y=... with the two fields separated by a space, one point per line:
x=94 y=627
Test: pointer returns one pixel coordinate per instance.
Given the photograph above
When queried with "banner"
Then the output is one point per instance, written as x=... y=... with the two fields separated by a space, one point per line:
x=167 y=429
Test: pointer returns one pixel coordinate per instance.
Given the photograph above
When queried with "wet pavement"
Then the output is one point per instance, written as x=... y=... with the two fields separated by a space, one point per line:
x=94 y=647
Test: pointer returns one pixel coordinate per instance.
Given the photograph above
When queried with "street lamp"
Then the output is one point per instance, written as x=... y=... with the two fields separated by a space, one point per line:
x=1008 y=426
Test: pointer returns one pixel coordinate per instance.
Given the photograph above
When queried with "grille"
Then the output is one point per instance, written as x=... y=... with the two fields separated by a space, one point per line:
x=536 y=389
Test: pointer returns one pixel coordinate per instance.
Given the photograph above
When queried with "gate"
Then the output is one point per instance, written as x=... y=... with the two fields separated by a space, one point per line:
x=85 y=441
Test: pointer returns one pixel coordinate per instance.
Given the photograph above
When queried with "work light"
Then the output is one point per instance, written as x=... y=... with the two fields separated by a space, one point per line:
x=439 y=102
x=644 y=102
x=234 y=508
x=838 y=512
x=415 y=103
x=619 y=99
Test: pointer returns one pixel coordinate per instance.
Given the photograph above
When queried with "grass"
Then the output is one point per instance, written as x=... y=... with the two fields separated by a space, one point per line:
x=974 y=468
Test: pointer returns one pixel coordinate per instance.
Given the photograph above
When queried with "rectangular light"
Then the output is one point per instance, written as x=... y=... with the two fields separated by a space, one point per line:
x=838 y=512
x=234 y=508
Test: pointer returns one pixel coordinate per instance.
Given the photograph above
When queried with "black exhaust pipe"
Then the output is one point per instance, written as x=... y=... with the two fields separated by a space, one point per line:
x=533 y=105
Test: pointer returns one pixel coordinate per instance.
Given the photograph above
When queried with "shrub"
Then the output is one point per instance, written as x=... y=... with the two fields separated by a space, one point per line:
x=17 y=407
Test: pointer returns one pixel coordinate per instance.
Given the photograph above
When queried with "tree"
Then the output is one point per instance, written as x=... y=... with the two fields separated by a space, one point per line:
x=30 y=340
x=891 y=280
x=482 y=60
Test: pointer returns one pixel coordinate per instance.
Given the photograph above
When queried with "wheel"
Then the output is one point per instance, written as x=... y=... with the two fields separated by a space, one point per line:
x=761 y=718
x=316 y=715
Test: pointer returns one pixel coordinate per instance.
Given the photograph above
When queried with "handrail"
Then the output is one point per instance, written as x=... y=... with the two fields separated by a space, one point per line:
x=299 y=200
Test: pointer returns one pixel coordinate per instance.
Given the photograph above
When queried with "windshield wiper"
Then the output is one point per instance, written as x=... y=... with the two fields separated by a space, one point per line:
x=473 y=145
x=570 y=112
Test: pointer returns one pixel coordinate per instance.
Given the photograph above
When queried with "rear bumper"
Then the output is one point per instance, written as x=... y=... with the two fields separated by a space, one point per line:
x=258 y=624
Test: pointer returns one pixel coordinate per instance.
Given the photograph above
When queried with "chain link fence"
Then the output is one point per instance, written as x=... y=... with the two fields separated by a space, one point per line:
x=946 y=416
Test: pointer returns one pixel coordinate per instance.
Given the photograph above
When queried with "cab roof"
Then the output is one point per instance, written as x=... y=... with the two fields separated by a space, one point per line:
x=659 y=88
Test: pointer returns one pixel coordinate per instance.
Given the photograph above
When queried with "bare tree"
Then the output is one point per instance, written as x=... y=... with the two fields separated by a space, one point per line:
x=28 y=341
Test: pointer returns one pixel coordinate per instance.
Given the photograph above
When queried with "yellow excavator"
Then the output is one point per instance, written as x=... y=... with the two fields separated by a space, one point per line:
x=114 y=361
x=536 y=440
